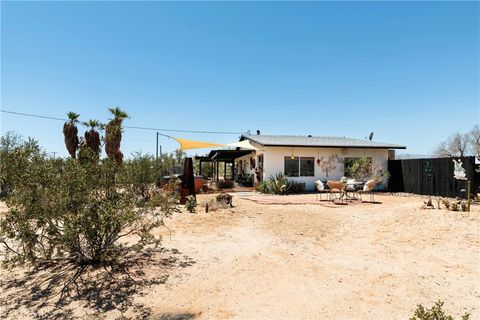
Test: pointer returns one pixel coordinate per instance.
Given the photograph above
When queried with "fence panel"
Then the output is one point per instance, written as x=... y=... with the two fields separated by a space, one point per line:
x=432 y=176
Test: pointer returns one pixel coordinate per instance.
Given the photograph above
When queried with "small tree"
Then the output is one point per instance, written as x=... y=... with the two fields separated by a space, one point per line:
x=15 y=155
x=460 y=144
x=358 y=168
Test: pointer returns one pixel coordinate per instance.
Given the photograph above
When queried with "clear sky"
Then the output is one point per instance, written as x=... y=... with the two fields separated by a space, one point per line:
x=409 y=71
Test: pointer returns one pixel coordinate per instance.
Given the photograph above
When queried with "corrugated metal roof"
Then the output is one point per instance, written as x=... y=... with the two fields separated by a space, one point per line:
x=312 y=141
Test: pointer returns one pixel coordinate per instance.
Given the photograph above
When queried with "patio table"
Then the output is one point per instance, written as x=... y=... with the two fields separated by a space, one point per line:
x=352 y=187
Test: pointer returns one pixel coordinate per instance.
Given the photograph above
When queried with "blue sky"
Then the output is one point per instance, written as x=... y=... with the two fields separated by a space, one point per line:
x=409 y=71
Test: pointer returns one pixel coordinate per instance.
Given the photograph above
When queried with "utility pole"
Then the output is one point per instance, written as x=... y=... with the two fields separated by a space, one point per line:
x=156 y=148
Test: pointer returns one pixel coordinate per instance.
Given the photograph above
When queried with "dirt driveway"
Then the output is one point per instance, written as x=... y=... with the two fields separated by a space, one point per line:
x=367 y=261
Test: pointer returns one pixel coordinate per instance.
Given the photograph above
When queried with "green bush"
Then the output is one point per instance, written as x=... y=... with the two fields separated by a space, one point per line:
x=434 y=313
x=225 y=184
x=77 y=211
x=15 y=155
x=296 y=187
x=262 y=187
x=191 y=204
x=141 y=172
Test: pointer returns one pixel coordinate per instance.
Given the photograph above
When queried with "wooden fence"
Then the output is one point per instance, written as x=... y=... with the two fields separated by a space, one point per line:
x=432 y=176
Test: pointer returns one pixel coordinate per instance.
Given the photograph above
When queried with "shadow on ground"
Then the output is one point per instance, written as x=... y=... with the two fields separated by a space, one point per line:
x=43 y=291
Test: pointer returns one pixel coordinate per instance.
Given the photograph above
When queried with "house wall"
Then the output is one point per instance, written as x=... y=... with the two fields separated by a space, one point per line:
x=274 y=161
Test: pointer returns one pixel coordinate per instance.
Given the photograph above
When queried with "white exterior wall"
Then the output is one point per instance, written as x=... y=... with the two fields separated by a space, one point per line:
x=274 y=161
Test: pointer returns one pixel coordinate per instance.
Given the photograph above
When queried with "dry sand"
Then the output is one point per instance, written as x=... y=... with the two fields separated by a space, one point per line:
x=259 y=261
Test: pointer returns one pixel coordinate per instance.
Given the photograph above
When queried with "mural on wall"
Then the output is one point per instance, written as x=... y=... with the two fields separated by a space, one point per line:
x=328 y=164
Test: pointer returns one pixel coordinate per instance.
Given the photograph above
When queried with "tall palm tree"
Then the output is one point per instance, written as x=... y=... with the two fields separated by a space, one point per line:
x=92 y=137
x=70 y=132
x=113 y=134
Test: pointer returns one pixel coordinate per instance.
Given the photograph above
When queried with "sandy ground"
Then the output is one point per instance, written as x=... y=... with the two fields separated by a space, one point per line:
x=259 y=261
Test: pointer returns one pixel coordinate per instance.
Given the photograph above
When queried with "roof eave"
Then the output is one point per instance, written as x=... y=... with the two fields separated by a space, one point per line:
x=329 y=146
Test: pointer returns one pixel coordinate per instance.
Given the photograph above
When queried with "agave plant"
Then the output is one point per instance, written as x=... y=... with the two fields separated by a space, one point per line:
x=113 y=134
x=70 y=132
x=279 y=184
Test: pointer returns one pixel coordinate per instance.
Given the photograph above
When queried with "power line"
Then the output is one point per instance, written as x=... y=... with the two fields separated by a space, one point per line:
x=128 y=127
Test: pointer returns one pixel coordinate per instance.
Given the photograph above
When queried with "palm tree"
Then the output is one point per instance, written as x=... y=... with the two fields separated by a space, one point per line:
x=92 y=137
x=70 y=133
x=113 y=134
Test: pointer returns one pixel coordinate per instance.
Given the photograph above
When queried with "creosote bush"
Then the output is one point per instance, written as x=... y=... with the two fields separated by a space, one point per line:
x=75 y=210
x=436 y=312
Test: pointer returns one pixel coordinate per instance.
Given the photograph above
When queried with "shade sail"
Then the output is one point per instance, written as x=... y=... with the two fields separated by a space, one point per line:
x=245 y=144
x=186 y=144
x=191 y=144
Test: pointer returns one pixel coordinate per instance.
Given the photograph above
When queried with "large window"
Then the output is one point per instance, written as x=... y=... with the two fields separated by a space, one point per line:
x=291 y=167
x=307 y=168
x=299 y=166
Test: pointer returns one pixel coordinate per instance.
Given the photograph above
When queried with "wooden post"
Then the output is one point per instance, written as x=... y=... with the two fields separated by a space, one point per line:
x=469 y=185
x=224 y=170
x=200 y=167
x=188 y=181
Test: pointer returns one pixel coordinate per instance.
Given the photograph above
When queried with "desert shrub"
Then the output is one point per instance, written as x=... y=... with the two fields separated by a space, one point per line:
x=77 y=212
x=436 y=312
x=262 y=187
x=225 y=184
x=191 y=204
x=296 y=187
x=141 y=172
x=15 y=155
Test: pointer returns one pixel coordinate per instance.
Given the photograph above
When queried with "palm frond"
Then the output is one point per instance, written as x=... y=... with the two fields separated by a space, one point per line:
x=73 y=116
x=118 y=113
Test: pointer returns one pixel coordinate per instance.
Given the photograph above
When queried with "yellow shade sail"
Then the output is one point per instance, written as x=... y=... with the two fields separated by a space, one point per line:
x=245 y=144
x=191 y=144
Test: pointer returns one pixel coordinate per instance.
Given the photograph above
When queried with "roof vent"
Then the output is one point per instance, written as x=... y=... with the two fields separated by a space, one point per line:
x=258 y=132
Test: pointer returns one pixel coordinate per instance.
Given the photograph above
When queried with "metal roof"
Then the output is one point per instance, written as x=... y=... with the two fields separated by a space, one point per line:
x=223 y=155
x=313 y=141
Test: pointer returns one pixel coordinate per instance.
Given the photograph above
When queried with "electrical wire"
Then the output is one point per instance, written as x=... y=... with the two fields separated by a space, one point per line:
x=127 y=127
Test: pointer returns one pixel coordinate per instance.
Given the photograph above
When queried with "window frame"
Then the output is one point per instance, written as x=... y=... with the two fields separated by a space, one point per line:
x=299 y=166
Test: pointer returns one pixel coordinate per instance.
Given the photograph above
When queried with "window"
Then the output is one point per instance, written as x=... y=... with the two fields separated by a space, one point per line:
x=291 y=167
x=299 y=166
x=307 y=169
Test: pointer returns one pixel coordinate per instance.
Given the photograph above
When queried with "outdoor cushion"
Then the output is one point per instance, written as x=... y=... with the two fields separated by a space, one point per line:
x=319 y=185
x=336 y=185
x=369 y=185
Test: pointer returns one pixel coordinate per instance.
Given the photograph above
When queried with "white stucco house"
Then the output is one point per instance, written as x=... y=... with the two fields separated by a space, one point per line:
x=303 y=159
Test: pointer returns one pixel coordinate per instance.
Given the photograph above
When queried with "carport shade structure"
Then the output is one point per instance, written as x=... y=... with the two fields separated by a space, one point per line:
x=225 y=156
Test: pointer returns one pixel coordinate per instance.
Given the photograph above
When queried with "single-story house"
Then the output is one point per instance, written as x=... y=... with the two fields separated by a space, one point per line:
x=302 y=159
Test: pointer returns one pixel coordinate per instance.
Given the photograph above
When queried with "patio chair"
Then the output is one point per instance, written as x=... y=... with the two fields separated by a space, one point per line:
x=368 y=189
x=319 y=190
x=336 y=187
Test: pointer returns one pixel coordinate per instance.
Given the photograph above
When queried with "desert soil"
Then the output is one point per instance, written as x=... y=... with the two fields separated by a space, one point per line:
x=308 y=261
